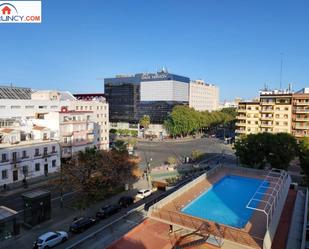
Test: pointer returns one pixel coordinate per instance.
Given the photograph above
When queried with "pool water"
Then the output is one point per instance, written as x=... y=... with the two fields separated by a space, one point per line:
x=225 y=202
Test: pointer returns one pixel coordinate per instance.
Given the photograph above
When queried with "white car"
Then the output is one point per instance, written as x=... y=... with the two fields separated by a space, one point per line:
x=143 y=193
x=50 y=239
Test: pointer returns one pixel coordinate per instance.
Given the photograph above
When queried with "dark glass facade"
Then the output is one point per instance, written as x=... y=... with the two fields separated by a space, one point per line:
x=123 y=96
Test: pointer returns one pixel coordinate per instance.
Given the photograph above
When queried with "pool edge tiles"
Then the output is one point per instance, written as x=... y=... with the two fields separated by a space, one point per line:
x=218 y=203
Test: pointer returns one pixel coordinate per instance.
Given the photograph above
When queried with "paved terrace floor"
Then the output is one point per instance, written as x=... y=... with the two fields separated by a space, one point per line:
x=253 y=233
x=152 y=234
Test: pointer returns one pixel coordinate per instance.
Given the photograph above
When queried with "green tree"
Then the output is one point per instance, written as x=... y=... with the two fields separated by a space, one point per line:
x=257 y=150
x=304 y=155
x=145 y=121
x=171 y=160
x=120 y=146
x=196 y=154
x=185 y=120
x=96 y=172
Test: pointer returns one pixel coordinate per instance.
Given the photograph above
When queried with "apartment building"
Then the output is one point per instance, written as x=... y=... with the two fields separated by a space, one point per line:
x=278 y=111
x=203 y=96
x=27 y=152
x=300 y=113
x=73 y=129
x=248 y=119
x=96 y=103
x=40 y=103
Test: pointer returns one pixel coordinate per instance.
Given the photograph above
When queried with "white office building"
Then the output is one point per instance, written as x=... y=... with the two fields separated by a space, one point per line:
x=203 y=96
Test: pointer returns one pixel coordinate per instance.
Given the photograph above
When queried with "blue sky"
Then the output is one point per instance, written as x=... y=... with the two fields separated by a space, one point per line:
x=234 y=44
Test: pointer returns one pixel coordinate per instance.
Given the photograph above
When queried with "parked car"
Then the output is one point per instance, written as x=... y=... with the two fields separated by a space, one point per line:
x=50 y=239
x=107 y=211
x=126 y=201
x=80 y=224
x=143 y=193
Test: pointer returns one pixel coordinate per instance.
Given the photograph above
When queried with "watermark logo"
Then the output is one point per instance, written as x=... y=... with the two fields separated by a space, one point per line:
x=20 y=12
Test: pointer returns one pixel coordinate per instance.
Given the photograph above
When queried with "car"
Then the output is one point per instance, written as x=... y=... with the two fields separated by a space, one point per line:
x=107 y=211
x=50 y=239
x=80 y=224
x=143 y=193
x=126 y=201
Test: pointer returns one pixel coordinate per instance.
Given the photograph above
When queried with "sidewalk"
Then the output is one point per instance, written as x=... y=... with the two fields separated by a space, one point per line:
x=18 y=187
x=61 y=219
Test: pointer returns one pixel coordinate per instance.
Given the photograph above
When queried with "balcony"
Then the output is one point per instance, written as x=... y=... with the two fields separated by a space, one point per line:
x=67 y=144
x=266 y=124
x=301 y=103
x=241 y=110
x=240 y=124
x=267 y=110
x=301 y=110
x=15 y=160
x=301 y=135
x=303 y=127
x=301 y=119
x=241 y=117
x=267 y=118
x=267 y=102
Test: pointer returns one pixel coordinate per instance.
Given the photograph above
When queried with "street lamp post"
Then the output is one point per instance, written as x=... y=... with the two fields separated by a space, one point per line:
x=148 y=173
x=61 y=185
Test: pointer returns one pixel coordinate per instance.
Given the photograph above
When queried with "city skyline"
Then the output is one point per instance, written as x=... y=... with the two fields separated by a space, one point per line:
x=236 y=46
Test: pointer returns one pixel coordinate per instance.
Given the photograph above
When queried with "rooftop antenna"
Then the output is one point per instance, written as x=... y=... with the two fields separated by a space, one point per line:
x=281 y=64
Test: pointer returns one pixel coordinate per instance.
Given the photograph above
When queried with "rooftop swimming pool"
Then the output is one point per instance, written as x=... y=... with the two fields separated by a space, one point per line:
x=225 y=202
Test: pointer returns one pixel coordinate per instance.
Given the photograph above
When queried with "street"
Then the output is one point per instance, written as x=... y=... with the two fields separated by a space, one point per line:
x=160 y=151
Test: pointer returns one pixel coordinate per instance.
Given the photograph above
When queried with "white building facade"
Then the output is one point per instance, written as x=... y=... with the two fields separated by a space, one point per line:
x=27 y=153
x=203 y=96
x=44 y=102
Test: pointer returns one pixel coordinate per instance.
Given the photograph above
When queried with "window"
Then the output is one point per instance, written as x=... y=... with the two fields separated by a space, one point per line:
x=90 y=108
x=37 y=152
x=86 y=108
x=53 y=149
x=54 y=163
x=2 y=106
x=76 y=108
x=29 y=106
x=25 y=170
x=37 y=167
x=4 y=174
x=42 y=106
x=4 y=157
x=98 y=115
x=14 y=156
x=81 y=108
x=54 y=107
x=15 y=107
x=24 y=154
x=45 y=151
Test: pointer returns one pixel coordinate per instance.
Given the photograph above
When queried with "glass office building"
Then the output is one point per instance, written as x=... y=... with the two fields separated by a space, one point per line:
x=153 y=94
